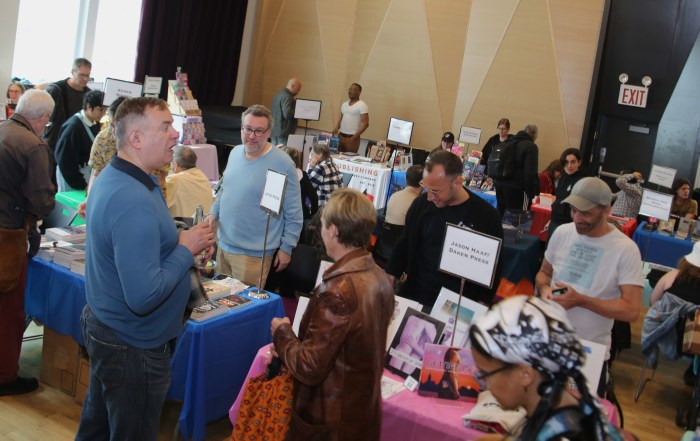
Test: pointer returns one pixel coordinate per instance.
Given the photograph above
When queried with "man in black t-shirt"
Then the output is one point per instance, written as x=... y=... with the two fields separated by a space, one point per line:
x=417 y=253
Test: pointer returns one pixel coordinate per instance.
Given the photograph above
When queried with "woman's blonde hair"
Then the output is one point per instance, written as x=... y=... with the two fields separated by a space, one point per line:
x=353 y=215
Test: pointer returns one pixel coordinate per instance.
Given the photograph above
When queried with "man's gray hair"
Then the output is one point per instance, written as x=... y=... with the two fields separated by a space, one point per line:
x=531 y=130
x=259 y=110
x=185 y=157
x=35 y=103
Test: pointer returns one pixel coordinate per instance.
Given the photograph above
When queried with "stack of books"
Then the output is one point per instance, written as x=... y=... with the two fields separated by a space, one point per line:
x=65 y=256
x=67 y=234
x=235 y=286
x=208 y=310
x=78 y=266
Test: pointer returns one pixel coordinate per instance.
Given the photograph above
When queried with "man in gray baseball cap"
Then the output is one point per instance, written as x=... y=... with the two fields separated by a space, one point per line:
x=591 y=268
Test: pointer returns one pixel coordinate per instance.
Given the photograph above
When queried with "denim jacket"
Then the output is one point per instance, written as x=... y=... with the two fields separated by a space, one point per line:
x=659 y=330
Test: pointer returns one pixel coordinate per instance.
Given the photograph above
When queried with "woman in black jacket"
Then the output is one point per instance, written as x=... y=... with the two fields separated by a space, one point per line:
x=561 y=213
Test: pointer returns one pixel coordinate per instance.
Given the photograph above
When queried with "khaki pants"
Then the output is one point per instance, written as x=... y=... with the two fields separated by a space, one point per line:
x=242 y=267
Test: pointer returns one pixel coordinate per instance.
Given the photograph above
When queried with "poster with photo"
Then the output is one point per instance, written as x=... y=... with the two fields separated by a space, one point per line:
x=445 y=309
x=405 y=355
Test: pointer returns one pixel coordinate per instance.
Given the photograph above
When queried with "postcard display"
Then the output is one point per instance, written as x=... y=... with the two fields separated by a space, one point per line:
x=181 y=102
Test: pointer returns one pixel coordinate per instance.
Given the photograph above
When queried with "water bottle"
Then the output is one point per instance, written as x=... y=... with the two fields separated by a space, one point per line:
x=198 y=218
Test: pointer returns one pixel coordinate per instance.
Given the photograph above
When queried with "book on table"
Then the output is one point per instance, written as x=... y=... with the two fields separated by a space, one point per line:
x=448 y=372
x=72 y=234
x=215 y=290
x=207 y=310
x=64 y=256
x=233 y=301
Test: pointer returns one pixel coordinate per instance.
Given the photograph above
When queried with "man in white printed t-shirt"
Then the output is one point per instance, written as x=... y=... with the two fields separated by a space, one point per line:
x=600 y=268
x=354 y=119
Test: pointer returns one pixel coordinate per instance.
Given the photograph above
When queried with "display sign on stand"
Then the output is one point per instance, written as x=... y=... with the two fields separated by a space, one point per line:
x=115 y=88
x=152 y=86
x=662 y=176
x=469 y=135
x=655 y=204
x=271 y=201
x=400 y=131
x=469 y=255
x=308 y=110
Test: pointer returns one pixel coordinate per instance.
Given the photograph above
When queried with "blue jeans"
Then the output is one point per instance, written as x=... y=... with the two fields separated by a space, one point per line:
x=128 y=386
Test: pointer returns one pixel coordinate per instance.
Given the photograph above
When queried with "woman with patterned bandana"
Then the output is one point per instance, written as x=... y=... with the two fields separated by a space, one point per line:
x=527 y=352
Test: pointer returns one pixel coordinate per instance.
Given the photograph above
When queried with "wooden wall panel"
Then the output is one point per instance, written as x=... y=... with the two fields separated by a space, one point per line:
x=399 y=82
x=575 y=30
x=483 y=43
x=440 y=63
x=448 y=22
x=522 y=83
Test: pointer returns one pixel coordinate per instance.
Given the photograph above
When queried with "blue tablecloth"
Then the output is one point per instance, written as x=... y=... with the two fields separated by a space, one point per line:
x=398 y=182
x=211 y=359
x=521 y=260
x=657 y=248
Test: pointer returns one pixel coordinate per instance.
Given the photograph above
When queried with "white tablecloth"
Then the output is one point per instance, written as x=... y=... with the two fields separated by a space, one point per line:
x=368 y=178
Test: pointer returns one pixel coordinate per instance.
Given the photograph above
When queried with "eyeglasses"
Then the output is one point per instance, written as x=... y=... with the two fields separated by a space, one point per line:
x=437 y=192
x=502 y=128
x=257 y=132
x=481 y=376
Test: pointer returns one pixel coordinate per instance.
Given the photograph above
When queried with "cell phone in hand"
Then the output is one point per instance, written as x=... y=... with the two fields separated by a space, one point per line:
x=559 y=291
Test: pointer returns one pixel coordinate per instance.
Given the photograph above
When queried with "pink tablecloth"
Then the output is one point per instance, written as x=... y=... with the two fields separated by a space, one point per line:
x=408 y=416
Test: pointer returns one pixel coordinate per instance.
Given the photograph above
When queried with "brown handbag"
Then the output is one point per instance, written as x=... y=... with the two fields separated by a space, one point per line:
x=13 y=257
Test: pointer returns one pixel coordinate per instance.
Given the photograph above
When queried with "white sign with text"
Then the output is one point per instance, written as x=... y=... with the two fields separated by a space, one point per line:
x=116 y=88
x=152 y=85
x=309 y=110
x=273 y=194
x=655 y=204
x=662 y=176
x=469 y=135
x=470 y=254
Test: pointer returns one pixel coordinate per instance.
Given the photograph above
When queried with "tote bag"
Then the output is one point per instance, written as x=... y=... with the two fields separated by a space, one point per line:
x=266 y=407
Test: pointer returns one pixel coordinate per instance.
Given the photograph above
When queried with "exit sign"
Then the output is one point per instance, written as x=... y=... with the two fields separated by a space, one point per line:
x=635 y=96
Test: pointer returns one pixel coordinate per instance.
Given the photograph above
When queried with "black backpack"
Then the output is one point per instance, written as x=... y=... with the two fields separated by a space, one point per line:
x=501 y=163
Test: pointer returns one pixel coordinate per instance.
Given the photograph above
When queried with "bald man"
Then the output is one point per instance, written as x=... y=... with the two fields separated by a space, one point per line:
x=283 y=112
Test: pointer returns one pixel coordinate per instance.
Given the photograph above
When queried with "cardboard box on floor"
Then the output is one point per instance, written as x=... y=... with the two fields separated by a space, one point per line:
x=59 y=361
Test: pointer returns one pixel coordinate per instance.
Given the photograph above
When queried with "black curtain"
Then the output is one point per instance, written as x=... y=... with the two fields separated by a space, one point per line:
x=202 y=37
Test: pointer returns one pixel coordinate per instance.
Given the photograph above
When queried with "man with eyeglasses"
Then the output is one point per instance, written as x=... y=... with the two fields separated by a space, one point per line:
x=417 y=252
x=68 y=95
x=354 y=119
x=26 y=195
x=237 y=208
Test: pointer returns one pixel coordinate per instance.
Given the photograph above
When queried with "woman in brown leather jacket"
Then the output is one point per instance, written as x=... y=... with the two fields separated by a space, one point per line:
x=337 y=360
